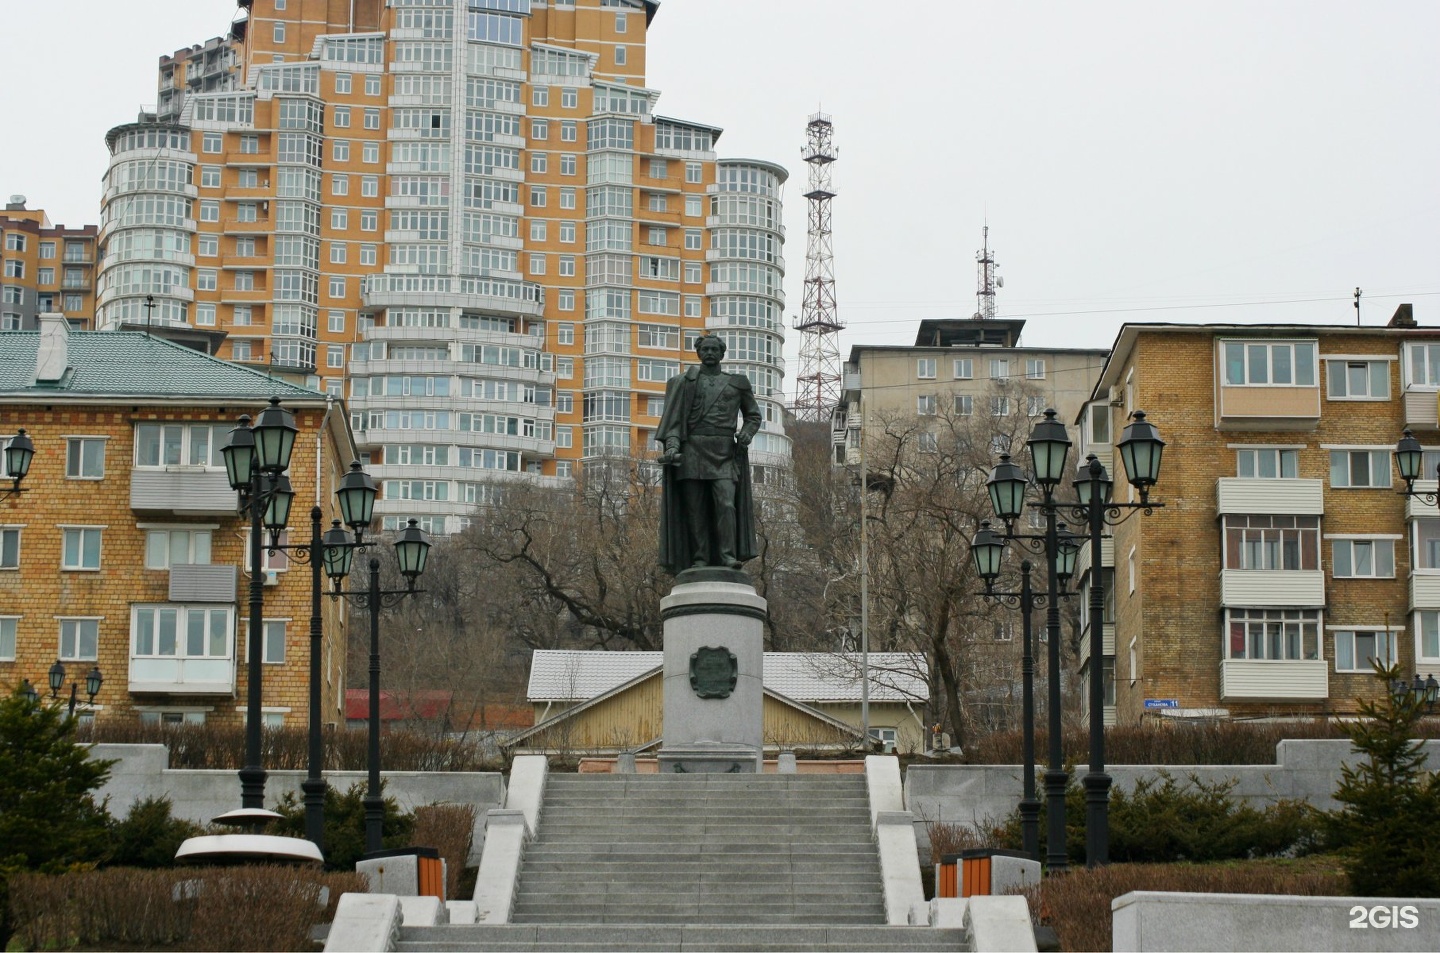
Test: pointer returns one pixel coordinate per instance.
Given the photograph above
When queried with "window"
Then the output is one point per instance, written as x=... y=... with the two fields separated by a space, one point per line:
x=1357 y=380
x=964 y=368
x=47 y=249
x=367 y=254
x=692 y=239
x=244 y=281
x=927 y=443
x=14 y=241
x=692 y=273
x=340 y=185
x=80 y=547
x=567 y=232
x=9 y=547
x=694 y=172
x=1427 y=544
x=273 y=649
x=209 y=246
x=211 y=142
x=567 y=164
x=565 y=367
x=14 y=268
x=339 y=219
x=209 y=177
x=1269 y=363
x=565 y=403
x=539 y=129
x=692 y=206
x=334 y=355
x=342 y=81
x=925 y=404
x=176 y=547
x=279 y=32
x=659 y=168
x=655 y=235
x=569 y=132
x=369 y=220
x=336 y=322
x=179 y=631
x=566 y=300
x=8 y=625
x=569 y=98
x=1267 y=463
x=372 y=117
x=999 y=406
x=85 y=458
x=567 y=197
x=337 y=286
x=964 y=405
x=1359 y=650
x=539 y=162
x=250 y=145
x=370 y=152
x=999 y=368
x=540 y=96
x=1363 y=558
x=342 y=117
x=1427 y=638
x=372 y=85
x=339 y=251
x=1034 y=369
x=692 y=306
x=567 y=266
x=209 y=210
x=925 y=368
x=1272 y=542
x=537 y=264
x=79 y=640
x=1359 y=468
x=340 y=150
x=1130 y=565
x=565 y=334
x=1273 y=634
x=537 y=196
x=537 y=230
x=173 y=445
x=620 y=56
x=1034 y=406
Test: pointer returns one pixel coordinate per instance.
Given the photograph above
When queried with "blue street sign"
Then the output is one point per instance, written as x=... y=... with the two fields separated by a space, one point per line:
x=1162 y=703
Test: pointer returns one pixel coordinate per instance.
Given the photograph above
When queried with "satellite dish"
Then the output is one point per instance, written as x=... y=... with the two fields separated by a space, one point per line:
x=999 y=282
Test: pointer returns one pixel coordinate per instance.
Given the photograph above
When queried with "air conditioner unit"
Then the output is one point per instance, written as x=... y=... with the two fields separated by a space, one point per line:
x=272 y=577
x=1117 y=397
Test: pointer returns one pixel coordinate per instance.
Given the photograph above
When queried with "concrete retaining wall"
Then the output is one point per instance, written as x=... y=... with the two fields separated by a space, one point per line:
x=1152 y=922
x=199 y=796
x=974 y=794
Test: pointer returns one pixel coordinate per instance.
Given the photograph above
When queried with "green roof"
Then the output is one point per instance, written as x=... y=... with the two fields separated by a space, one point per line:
x=133 y=364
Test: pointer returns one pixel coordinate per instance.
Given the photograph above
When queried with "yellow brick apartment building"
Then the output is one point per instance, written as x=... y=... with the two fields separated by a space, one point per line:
x=1286 y=558
x=124 y=549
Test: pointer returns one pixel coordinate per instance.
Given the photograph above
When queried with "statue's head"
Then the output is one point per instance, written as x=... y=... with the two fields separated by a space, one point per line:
x=712 y=343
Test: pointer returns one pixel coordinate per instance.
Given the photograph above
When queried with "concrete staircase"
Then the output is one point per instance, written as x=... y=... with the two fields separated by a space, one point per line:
x=697 y=862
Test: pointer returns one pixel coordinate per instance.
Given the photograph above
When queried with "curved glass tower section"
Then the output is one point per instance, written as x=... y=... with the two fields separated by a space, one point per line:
x=147 y=227
x=746 y=290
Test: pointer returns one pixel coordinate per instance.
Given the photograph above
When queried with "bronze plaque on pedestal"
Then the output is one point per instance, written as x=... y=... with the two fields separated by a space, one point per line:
x=713 y=672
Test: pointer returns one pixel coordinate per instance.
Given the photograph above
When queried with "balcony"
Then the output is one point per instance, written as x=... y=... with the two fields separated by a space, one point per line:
x=1281 y=588
x=237 y=227
x=189 y=491
x=1280 y=497
x=1260 y=679
x=1107 y=649
x=1425 y=589
x=1422 y=408
x=175 y=675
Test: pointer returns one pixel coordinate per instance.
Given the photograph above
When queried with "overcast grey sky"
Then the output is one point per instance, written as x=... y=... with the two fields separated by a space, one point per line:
x=1178 y=161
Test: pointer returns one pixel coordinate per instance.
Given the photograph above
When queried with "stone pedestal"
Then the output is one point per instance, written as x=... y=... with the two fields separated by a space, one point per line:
x=714 y=655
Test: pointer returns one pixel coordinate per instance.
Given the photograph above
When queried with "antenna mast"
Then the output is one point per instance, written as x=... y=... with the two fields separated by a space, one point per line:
x=818 y=384
x=986 y=279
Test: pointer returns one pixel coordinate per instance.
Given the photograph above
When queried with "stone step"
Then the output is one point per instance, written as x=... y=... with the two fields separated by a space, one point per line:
x=700 y=938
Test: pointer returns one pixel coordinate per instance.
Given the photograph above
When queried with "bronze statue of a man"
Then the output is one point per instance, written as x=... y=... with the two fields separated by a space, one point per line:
x=708 y=517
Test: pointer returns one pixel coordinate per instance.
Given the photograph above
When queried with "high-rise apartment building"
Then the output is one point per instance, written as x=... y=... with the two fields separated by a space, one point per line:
x=464 y=216
x=44 y=269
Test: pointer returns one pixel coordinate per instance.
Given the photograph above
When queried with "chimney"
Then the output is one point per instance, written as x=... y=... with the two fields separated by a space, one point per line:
x=52 y=357
x=1404 y=317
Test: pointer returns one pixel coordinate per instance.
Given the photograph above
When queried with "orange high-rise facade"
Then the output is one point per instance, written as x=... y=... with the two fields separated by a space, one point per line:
x=465 y=217
x=44 y=269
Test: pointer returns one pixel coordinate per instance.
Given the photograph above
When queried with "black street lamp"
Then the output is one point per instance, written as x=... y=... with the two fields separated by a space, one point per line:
x=256 y=459
x=28 y=691
x=1008 y=483
x=988 y=550
x=1410 y=461
x=93 y=681
x=1140 y=449
x=412 y=549
x=18 y=454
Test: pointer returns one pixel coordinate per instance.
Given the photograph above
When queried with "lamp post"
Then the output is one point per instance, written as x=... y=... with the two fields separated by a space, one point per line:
x=93 y=681
x=1140 y=449
x=412 y=548
x=988 y=550
x=18 y=454
x=1410 y=461
x=1048 y=445
x=256 y=459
